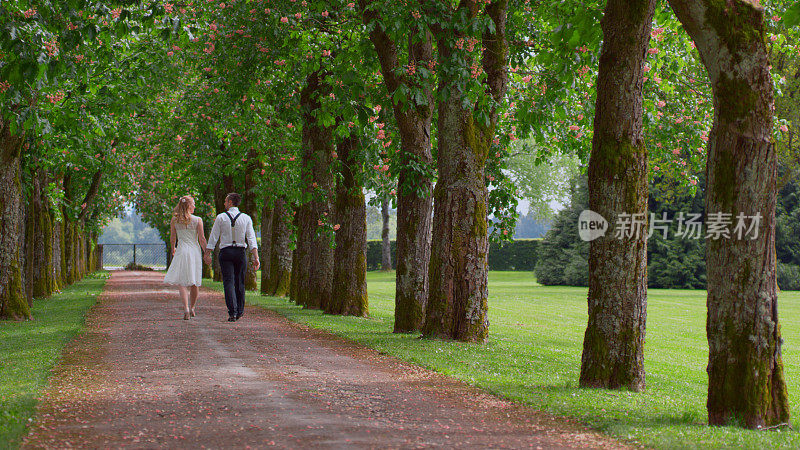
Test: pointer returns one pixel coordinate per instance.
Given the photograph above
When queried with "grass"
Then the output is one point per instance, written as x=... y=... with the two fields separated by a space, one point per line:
x=533 y=356
x=30 y=349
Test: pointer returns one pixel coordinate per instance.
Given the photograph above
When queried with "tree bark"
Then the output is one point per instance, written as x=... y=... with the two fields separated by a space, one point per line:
x=458 y=296
x=219 y=205
x=265 y=249
x=414 y=202
x=29 y=259
x=12 y=295
x=43 y=255
x=249 y=208
x=386 y=245
x=316 y=282
x=294 y=279
x=58 y=254
x=746 y=384
x=350 y=271
x=280 y=265
x=613 y=344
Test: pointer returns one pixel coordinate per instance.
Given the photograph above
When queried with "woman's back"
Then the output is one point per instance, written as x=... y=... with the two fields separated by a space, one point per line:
x=187 y=233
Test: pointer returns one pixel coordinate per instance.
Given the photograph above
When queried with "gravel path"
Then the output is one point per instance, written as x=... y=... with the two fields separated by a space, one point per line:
x=142 y=377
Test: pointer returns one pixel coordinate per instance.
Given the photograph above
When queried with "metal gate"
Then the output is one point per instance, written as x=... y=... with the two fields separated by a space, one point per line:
x=119 y=256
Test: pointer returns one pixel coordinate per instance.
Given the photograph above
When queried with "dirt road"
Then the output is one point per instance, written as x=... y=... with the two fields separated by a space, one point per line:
x=141 y=376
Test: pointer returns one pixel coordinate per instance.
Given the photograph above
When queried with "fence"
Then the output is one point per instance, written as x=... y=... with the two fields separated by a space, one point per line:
x=118 y=256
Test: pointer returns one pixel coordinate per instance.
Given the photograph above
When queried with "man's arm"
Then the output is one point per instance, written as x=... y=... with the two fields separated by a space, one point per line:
x=212 y=241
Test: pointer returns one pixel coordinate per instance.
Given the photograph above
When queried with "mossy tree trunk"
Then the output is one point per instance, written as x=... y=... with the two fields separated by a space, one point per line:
x=58 y=253
x=386 y=245
x=458 y=293
x=294 y=282
x=316 y=267
x=68 y=254
x=220 y=192
x=350 y=270
x=746 y=384
x=47 y=265
x=249 y=207
x=414 y=202
x=265 y=250
x=43 y=240
x=29 y=249
x=613 y=344
x=280 y=265
x=12 y=295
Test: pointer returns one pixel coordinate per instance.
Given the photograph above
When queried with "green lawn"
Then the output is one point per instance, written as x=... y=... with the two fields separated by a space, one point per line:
x=29 y=350
x=533 y=356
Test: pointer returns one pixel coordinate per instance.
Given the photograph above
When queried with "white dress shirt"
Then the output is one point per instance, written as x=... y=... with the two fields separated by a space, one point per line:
x=242 y=233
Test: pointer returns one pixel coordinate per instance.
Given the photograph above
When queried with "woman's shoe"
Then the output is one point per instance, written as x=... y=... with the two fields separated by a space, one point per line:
x=191 y=312
x=186 y=315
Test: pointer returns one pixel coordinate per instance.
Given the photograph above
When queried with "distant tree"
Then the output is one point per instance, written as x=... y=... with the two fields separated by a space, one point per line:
x=562 y=253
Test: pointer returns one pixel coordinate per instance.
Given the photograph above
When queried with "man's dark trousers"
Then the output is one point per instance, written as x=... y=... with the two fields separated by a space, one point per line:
x=233 y=262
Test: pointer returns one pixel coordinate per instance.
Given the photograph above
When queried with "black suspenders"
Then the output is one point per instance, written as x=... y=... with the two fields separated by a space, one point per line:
x=233 y=224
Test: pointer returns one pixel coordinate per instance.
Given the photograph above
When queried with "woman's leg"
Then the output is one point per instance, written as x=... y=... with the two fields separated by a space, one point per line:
x=185 y=299
x=194 y=291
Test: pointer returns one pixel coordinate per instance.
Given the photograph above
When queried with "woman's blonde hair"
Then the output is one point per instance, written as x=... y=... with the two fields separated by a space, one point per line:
x=181 y=212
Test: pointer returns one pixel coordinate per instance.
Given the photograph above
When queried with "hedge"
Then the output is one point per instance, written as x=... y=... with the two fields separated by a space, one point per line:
x=516 y=255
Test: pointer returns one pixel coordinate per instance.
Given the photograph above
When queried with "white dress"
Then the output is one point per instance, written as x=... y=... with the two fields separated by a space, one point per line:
x=186 y=268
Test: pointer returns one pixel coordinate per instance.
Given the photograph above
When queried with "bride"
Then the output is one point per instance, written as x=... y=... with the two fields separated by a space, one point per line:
x=186 y=269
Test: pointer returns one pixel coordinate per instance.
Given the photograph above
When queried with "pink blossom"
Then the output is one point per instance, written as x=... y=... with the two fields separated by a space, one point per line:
x=324 y=13
x=284 y=19
x=784 y=128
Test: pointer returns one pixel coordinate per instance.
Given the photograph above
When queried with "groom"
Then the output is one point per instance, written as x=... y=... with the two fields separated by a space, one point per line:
x=234 y=231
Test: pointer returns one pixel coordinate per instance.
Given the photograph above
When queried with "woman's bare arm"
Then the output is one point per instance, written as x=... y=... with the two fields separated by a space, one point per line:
x=173 y=237
x=201 y=234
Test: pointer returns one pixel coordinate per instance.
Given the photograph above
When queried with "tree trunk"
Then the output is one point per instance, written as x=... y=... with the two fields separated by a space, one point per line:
x=613 y=344
x=386 y=245
x=98 y=257
x=68 y=254
x=248 y=206
x=317 y=263
x=458 y=296
x=746 y=384
x=220 y=193
x=12 y=295
x=43 y=253
x=294 y=279
x=265 y=249
x=48 y=265
x=280 y=265
x=414 y=202
x=29 y=259
x=350 y=271
x=58 y=253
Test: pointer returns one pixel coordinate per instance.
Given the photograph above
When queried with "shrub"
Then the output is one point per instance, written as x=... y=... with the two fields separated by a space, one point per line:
x=788 y=277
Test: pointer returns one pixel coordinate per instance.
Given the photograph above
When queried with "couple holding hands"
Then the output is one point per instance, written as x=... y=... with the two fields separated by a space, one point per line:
x=234 y=232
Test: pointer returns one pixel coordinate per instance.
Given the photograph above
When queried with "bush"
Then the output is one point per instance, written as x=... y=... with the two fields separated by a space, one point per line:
x=520 y=255
x=137 y=267
x=788 y=277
